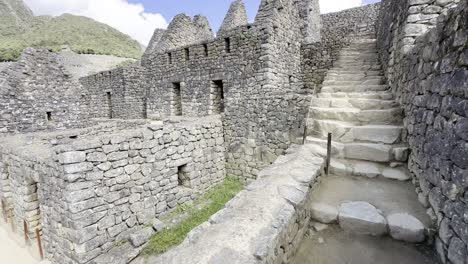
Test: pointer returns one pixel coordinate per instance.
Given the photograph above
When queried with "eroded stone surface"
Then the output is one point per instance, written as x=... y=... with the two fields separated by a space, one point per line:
x=361 y=218
x=406 y=227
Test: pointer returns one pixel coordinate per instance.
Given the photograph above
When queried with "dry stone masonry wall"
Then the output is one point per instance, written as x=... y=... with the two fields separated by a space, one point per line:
x=94 y=192
x=37 y=93
x=424 y=52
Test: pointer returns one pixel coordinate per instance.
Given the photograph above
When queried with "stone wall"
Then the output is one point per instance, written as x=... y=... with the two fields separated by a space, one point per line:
x=95 y=190
x=338 y=29
x=258 y=68
x=118 y=93
x=424 y=53
x=37 y=93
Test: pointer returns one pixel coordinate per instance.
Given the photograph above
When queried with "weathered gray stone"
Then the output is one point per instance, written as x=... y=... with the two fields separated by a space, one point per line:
x=361 y=218
x=141 y=237
x=72 y=157
x=406 y=227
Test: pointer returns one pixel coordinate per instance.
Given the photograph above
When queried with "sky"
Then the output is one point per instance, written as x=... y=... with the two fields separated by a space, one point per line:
x=139 y=18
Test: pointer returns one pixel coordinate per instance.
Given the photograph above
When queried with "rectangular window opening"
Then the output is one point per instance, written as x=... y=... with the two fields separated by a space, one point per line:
x=182 y=176
x=169 y=58
x=109 y=104
x=176 y=102
x=187 y=54
x=49 y=116
x=227 y=43
x=205 y=49
x=217 y=97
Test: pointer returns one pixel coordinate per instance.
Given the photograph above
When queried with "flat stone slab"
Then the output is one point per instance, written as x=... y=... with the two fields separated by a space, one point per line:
x=361 y=218
x=406 y=227
x=324 y=213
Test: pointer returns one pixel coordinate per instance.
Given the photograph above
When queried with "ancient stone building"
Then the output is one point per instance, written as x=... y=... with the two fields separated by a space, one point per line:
x=91 y=162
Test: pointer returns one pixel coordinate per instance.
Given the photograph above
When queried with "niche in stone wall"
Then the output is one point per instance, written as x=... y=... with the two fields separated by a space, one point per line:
x=187 y=54
x=217 y=97
x=49 y=116
x=205 y=49
x=227 y=45
x=176 y=100
x=109 y=104
x=183 y=176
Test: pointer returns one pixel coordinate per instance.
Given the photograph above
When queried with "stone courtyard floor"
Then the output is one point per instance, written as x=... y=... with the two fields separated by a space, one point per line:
x=335 y=246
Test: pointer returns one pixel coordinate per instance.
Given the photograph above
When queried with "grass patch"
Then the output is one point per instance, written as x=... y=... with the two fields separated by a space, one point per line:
x=215 y=200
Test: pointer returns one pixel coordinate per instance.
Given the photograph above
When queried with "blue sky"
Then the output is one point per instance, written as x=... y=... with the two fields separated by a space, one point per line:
x=139 y=18
x=215 y=10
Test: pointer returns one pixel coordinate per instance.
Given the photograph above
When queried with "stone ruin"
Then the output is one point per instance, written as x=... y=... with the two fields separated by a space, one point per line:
x=94 y=161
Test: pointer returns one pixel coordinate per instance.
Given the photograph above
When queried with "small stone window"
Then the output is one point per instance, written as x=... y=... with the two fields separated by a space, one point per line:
x=169 y=58
x=176 y=100
x=187 y=54
x=49 y=116
x=109 y=105
x=205 y=49
x=227 y=44
x=182 y=176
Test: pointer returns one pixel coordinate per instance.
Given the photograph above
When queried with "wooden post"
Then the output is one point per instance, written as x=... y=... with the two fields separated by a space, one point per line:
x=25 y=229
x=39 y=243
x=12 y=221
x=305 y=134
x=329 y=146
x=4 y=211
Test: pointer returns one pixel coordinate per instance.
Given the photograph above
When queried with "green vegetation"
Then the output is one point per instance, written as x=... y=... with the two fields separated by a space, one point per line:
x=19 y=29
x=213 y=200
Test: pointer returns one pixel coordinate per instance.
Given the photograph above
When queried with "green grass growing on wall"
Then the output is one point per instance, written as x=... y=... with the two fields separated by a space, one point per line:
x=214 y=200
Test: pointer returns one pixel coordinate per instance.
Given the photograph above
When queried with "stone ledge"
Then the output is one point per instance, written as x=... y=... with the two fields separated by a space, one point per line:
x=262 y=224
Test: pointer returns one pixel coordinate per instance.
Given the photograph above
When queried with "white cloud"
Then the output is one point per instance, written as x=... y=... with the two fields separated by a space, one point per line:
x=328 y=6
x=130 y=19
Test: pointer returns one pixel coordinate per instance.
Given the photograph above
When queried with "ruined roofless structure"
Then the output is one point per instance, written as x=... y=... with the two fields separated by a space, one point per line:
x=94 y=162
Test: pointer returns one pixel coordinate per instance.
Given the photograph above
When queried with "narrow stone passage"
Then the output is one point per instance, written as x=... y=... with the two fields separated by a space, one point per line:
x=368 y=192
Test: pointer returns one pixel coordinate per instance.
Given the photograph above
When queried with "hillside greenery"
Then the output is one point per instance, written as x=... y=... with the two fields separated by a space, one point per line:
x=83 y=35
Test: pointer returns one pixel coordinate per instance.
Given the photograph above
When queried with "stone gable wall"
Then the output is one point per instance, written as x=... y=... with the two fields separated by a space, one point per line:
x=424 y=50
x=35 y=85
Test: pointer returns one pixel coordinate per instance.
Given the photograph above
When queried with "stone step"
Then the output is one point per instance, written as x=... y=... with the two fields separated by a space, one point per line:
x=375 y=67
x=358 y=55
x=376 y=117
x=365 y=81
x=343 y=167
x=346 y=73
x=360 y=103
x=349 y=132
x=374 y=152
x=354 y=88
x=356 y=64
x=357 y=59
x=361 y=48
x=371 y=207
x=383 y=95
x=351 y=78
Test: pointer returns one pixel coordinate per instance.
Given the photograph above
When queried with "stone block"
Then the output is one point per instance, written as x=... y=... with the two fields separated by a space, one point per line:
x=141 y=237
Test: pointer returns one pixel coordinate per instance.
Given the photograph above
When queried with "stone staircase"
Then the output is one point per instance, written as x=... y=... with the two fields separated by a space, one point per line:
x=368 y=191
